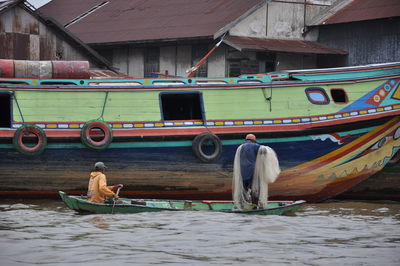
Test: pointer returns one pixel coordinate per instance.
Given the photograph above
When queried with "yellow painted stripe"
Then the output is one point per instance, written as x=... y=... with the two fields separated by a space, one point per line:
x=74 y=126
x=51 y=126
x=238 y=122
x=117 y=125
x=277 y=121
x=159 y=124
x=138 y=125
x=314 y=118
x=258 y=122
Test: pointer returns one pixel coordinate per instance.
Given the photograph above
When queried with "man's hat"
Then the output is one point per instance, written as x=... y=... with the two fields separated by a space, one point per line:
x=100 y=165
x=251 y=137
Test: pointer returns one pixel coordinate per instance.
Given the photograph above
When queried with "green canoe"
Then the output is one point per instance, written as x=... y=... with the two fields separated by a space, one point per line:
x=123 y=205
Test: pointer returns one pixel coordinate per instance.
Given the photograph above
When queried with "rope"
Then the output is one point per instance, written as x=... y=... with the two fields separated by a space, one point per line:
x=269 y=99
x=104 y=107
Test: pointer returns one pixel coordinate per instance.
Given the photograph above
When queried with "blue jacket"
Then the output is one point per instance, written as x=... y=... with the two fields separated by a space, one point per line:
x=248 y=158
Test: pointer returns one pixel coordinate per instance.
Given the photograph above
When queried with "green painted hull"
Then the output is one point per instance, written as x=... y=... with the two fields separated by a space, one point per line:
x=80 y=204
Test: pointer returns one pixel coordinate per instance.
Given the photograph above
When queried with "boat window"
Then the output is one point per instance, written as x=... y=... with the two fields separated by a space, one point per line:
x=249 y=81
x=57 y=83
x=339 y=96
x=5 y=110
x=317 y=95
x=181 y=106
x=168 y=82
x=10 y=82
x=211 y=82
x=130 y=83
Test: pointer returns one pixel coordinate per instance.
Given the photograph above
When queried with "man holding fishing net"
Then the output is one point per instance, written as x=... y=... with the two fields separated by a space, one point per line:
x=255 y=166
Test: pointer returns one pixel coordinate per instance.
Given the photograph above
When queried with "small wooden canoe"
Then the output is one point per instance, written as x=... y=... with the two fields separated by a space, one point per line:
x=124 y=205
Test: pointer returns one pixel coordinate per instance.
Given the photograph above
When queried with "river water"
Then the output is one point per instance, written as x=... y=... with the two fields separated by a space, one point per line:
x=352 y=233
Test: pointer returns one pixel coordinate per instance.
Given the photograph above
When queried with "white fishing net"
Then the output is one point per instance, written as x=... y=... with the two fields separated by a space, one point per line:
x=266 y=171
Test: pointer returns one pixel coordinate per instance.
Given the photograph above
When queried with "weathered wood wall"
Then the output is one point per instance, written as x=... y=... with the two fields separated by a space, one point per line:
x=23 y=36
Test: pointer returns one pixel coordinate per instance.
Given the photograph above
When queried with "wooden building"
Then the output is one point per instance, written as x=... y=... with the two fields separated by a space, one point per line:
x=368 y=29
x=146 y=37
x=26 y=35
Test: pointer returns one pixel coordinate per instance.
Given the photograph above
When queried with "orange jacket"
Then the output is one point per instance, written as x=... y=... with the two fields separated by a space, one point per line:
x=98 y=189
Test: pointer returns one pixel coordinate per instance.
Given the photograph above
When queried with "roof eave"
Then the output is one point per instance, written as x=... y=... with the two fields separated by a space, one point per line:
x=232 y=24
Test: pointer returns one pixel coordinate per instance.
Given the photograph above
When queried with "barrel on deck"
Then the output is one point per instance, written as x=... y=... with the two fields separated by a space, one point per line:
x=71 y=69
x=6 y=68
x=44 y=69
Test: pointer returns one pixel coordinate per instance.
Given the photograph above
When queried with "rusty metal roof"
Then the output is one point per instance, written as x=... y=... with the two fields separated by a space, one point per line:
x=290 y=46
x=359 y=10
x=116 y=21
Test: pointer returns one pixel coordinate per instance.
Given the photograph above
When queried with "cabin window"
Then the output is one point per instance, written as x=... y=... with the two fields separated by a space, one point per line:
x=181 y=106
x=151 y=61
x=317 y=95
x=10 y=82
x=5 y=110
x=211 y=82
x=339 y=96
x=115 y=83
x=198 y=52
x=57 y=83
x=168 y=82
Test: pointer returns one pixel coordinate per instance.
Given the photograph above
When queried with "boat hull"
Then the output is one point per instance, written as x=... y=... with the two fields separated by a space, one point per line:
x=315 y=167
x=125 y=206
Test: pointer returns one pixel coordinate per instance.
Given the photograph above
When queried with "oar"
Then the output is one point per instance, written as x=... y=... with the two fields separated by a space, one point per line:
x=116 y=195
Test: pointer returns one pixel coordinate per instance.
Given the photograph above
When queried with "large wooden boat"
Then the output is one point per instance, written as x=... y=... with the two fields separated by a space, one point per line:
x=176 y=137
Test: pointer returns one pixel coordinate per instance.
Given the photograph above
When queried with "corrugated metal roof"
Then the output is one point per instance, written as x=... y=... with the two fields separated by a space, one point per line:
x=290 y=46
x=359 y=10
x=107 y=74
x=140 y=20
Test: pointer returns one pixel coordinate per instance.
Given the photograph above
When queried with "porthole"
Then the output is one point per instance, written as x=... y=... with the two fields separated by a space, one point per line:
x=339 y=96
x=317 y=95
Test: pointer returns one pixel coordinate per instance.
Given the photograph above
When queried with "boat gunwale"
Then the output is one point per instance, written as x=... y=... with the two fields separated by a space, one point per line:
x=82 y=200
x=134 y=88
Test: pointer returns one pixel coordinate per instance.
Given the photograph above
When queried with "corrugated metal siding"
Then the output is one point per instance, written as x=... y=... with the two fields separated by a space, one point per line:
x=367 y=42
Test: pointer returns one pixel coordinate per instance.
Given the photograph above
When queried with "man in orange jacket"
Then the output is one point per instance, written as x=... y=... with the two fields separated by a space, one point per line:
x=98 y=190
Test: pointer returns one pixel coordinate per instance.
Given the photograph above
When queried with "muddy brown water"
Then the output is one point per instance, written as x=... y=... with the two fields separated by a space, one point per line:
x=45 y=232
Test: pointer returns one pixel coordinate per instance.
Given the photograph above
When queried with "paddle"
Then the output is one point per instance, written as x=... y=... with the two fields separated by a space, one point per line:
x=116 y=196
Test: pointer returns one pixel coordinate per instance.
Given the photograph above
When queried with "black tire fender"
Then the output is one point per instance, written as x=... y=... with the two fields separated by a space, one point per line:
x=197 y=147
x=27 y=130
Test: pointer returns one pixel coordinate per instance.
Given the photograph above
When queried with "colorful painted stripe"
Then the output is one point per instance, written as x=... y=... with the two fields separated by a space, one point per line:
x=335 y=117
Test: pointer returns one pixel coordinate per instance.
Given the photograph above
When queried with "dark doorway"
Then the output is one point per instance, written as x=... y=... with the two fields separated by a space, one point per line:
x=5 y=110
x=181 y=106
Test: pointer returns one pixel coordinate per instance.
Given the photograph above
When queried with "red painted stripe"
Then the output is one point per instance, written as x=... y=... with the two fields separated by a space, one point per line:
x=184 y=130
